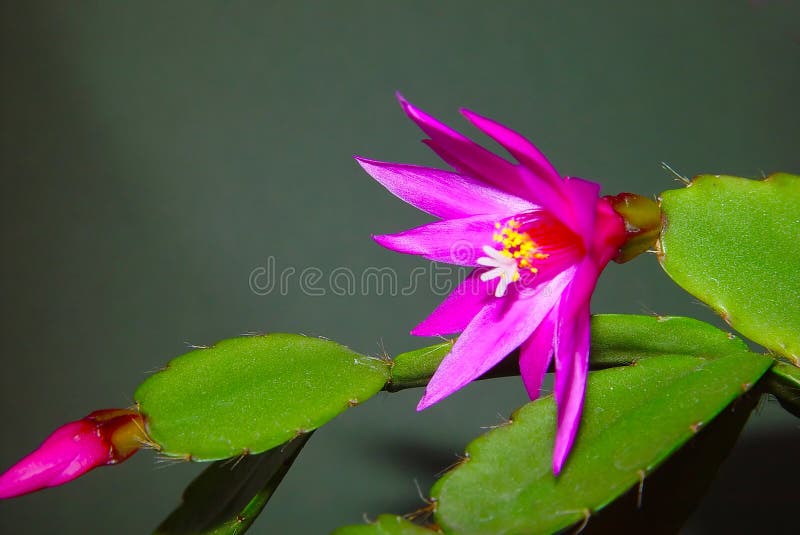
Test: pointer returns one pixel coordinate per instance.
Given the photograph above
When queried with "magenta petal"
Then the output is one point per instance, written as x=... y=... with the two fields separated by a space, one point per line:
x=463 y=154
x=572 y=357
x=583 y=196
x=496 y=330
x=523 y=150
x=536 y=353
x=71 y=451
x=455 y=159
x=530 y=187
x=442 y=193
x=573 y=304
x=570 y=402
x=457 y=310
x=454 y=241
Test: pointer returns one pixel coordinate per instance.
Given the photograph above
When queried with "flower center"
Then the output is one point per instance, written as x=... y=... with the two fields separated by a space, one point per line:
x=517 y=254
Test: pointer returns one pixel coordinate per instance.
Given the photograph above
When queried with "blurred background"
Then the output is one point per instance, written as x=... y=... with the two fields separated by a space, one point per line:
x=155 y=155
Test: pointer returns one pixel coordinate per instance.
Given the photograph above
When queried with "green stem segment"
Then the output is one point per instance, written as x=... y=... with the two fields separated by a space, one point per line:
x=783 y=382
x=229 y=495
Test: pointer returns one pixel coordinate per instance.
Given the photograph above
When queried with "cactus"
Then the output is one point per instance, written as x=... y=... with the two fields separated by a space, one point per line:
x=227 y=497
x=620 y=339
x=732 y=242
x=415 y=368
x=783 y=382
x=635 y=417
x=247 y=395
x=287 y=384
x=617 y=340
x=386 y=525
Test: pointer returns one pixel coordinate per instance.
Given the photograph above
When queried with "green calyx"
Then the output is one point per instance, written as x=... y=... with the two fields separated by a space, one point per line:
x=642 y=218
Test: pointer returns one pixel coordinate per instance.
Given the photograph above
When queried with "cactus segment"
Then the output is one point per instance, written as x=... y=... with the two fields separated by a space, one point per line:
x=620 y=339
x=250 y=394
x=227 y=497
x=783 y=382
x=415 y=368
x=386 y=525
x=732 y=242
x=634 y=418
x=667 y=498
x=617 y=340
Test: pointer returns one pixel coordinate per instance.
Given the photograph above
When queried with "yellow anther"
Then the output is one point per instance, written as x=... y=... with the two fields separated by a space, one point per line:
x=518 y=245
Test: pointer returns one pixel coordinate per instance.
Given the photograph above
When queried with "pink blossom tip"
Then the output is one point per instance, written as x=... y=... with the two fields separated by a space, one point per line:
x=103 y=437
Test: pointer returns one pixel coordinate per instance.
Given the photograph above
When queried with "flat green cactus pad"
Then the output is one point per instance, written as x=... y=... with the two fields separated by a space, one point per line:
x=685 y=373
x=733 y=243
x=634 y=418
x=227 y=497
x=783 y=382
x=617 y=340
x=250 y=394
x=386 y=525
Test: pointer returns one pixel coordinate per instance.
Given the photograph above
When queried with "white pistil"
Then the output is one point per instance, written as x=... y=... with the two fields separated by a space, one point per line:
x=504 y=266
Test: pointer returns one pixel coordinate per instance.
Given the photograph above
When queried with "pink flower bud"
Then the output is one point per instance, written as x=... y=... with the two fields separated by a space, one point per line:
x=104 y=437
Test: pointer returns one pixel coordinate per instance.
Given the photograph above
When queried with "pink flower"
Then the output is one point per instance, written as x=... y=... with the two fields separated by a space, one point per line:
x=538 y=242
x=103 y=437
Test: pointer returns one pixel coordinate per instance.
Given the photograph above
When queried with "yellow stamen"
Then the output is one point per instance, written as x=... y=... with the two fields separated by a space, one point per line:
x=518 y=245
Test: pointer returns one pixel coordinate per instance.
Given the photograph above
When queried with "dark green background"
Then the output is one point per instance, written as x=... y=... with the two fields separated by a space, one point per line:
x=154 y=155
